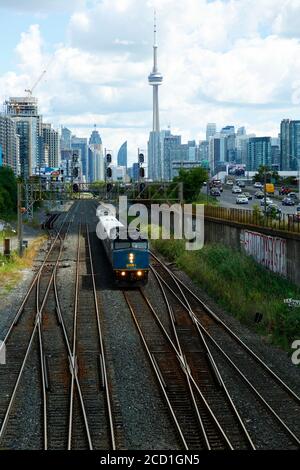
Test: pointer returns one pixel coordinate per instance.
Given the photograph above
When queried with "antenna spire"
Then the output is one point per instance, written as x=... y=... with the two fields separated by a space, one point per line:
x=155 y=28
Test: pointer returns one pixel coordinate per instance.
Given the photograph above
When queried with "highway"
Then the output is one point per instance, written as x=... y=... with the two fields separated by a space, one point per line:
x=228 y=199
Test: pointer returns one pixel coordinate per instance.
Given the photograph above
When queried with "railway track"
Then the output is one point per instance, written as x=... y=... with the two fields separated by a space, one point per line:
x=67 y=359
x=196 y=423
x=275 y=398
x=23 y=342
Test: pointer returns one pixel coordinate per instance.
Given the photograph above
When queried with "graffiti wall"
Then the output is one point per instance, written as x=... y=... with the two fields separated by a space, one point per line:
x=266 y=250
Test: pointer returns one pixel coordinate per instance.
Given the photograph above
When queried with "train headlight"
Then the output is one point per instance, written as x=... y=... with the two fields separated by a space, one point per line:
x=131 y=257
x=139 y=273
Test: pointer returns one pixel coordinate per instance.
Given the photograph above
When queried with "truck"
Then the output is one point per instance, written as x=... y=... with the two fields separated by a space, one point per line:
x=270 y=188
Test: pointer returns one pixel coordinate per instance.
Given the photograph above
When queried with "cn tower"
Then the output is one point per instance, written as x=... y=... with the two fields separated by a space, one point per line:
x=155 y=79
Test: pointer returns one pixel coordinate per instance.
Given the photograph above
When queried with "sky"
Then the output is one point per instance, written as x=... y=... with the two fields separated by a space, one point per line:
x=233 y=62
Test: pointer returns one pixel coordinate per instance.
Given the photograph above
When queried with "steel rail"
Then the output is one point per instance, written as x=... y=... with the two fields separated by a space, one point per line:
x=211 y=358
x=187 y=371
x=257 y=393
x=73 y=356
x=102 y=347
x=35 y=327
x=189 y=377
x=73 y=369
x=157 y=373
x=229 y=330
x=32 y=285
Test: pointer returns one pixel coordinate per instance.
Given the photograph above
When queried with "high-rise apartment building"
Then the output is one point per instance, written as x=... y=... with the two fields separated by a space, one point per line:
x=259 y=153
x=51 y=142
x=290 y=145
x=24 y=112
x=211 y=130
x=9 y=142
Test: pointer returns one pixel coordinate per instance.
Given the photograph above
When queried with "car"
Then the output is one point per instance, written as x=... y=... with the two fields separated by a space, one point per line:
x=242 y=199
x=273 y=210
x=284 y=191
x=293 y=196
x=248 y=196
x=259 y=195
x=268 y=201
x=236 y=190
x=215 y=192
x=258 y=185
x=287 y=201
x=241 y=184
x=205 y=183
x=230 y=183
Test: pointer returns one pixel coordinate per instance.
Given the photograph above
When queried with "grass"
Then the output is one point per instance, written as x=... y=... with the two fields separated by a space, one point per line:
x=241 y=287
x=11 y=268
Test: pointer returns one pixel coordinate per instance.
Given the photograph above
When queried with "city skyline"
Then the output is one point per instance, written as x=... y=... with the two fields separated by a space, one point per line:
x=204 y=47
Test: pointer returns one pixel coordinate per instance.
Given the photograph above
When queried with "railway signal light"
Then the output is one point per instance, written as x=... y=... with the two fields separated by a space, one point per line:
x=108 y=158
x=109 y=172
x=142 y=187
x=141 y=158
x=75 y=188
x=142 y=172
x=75 y=172
x=109 y=187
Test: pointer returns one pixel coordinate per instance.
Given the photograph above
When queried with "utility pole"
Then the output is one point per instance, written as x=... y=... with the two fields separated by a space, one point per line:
x=20 y=221
x=265 y=190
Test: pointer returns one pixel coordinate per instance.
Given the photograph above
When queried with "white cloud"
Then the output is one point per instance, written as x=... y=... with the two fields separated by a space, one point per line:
x=235 y=61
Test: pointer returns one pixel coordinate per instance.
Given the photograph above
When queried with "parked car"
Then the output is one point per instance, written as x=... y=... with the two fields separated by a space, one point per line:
x=268 y=201
x=259 y=195
x=215 y=192
x=241 y=184
x=242 y=199
x=236 y=190
x=287 y=201
x=258 y=185
x=248 y=196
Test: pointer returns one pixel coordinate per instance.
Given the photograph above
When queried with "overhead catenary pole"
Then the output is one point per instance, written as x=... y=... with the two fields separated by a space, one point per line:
x=20 y=221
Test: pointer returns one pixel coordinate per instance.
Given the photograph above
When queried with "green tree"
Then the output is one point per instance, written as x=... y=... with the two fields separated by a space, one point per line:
x=192 y=182
x=8 y=192
x=270 y=175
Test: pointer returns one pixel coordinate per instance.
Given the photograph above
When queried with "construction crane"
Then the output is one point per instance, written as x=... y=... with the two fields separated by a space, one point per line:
x=30 y=91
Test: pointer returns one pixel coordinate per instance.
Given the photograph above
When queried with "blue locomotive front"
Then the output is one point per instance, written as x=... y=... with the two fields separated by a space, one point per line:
x=130 y=260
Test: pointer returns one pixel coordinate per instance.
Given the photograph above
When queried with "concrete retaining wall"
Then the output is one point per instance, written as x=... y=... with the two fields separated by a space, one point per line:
x=277 y=251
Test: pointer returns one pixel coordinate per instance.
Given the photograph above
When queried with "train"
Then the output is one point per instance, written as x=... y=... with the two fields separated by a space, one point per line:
x=128 y=257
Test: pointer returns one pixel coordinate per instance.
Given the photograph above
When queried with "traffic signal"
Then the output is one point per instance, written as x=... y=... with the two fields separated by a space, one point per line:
x=75 y=172
x=109 y=187
x=141 y=158
x=75 y=188
x=142 y=173
x=108 y=158
x=109 y=172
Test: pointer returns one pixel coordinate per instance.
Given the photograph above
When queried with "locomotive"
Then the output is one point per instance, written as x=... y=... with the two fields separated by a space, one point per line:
x=128 y=257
